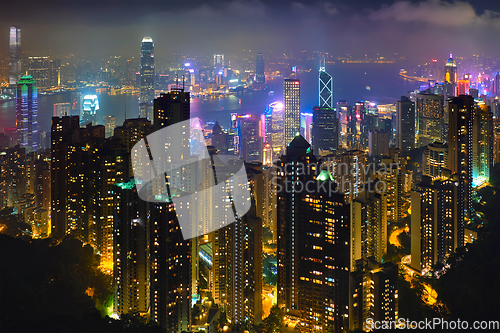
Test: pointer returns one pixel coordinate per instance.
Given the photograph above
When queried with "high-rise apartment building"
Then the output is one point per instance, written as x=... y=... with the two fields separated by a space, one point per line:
x=313 y=243
x=435 y=159
x=325 y=87
x=27 y=113
x=405 y=124
x=437 y=220
x=147 y=79
x=482 y=144
x=14 y=55
x=373 y=294
x=378 y=143
x=429 y=110
x=325 y=133
x=292 y=109
x=109 y=123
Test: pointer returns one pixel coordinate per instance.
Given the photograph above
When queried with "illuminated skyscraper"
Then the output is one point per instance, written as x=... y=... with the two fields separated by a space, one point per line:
x=436 y=217
x=496 y=85
x=405 y=124
x=435 y=159
x=275 y=128
x=313 y=243
x=89 y=110
x=147 y=77
x=292 y=109
x=251 y=143
x=429 y=118
x=39 y=69
x=259 y=69
x=325 y=131
x=325 y=87
x=61 y=109
x=482 y=144
x=109 y=123
x=27 y=113
x=450 y=78
x=14 y=55
x=306 y=126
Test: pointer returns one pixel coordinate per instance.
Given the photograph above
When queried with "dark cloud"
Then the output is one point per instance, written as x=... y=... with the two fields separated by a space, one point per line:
x=422 y=28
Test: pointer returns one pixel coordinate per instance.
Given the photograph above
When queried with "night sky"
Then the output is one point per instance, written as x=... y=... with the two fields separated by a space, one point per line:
x=428 y=28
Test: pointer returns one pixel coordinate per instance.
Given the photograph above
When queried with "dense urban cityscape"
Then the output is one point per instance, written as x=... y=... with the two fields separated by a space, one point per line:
x=311 y=190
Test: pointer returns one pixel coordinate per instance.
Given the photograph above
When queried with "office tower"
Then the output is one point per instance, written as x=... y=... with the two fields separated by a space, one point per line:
x=260 y=77
x=14 y=55
x=250 y=138
x=42 y=185
x=39 y=69
x=349 y=173
x=460 y=155
x=132 y=131
x=89 y=110
x=325 y=132
x=313 y=243
x=61 y=109
x=496 y=85
x=218 y=60
x=344 y=116
x=76 y=104
x=267 y=155
x=373 y=294
x=463 y=86
x=275 y=127
x=496 y=144
x=13 y=180
x=450 y=78
x=131 y=270
x=369 y=225
x=292 y=109
x=436 y=224
x=482 y=144
x=325 y=87
x=435 y=159
x=378 y=143
x=405 y=124
x=173 y=259
x=429 y=110
x=359 y=135
x=27 y=113
x=109 y=123
x=219 y=138
x=393 y=173
x=55 y=73
x=147 y=79
x=306 y=126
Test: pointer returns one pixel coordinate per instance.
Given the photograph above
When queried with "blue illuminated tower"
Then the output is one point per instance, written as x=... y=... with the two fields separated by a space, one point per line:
x=325 y=87
x=147 y=76
x=26 y=113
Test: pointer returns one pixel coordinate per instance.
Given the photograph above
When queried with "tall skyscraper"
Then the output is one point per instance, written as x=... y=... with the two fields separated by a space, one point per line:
x=147 y=77
x=430 y=112
x=27 y=113
x=14 y=55
x=482 y=144
x=460 y=154
x=435 y=159
x=325 y=132
x=39 y=69
x=405 y=124
x=292 y=109
x=275 y=128
x=313 y=243
x=89 y=110
x=378 y=143
x=450 y=78
x=251 y=142
x=436 y=218
x=109 y=123
x=325 y=87
x=172 y=257
x=260 y=77
x=496 y=85
x=61 y=109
